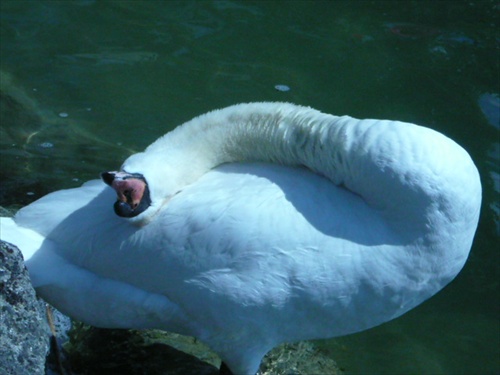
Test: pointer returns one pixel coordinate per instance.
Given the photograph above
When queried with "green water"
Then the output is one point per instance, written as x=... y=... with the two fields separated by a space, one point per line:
x=84 y=83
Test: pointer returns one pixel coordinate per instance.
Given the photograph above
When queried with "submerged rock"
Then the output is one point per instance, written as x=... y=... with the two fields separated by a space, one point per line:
x=300 y=358
x=24 y=331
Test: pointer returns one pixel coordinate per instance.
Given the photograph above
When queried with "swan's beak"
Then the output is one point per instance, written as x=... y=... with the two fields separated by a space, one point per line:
x=132 y=191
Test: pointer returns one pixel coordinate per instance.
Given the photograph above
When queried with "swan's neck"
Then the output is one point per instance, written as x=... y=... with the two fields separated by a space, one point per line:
x=401 y=169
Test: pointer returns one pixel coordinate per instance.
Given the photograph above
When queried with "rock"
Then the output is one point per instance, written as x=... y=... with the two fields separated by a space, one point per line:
x=24 y=331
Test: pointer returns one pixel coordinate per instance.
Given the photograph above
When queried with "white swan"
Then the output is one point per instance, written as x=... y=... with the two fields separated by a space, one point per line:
x=354 y=223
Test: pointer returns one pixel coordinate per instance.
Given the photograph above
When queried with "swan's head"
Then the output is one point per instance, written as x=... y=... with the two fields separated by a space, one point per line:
x=132 y=191
x=145 y=182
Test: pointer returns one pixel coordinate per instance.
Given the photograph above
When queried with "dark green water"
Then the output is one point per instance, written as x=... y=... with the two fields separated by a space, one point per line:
x=86 y=82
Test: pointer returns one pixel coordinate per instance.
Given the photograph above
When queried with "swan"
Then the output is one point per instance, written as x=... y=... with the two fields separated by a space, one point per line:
x=258 y=224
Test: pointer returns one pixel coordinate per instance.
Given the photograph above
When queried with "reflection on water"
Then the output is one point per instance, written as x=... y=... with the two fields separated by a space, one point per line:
x=84 y=83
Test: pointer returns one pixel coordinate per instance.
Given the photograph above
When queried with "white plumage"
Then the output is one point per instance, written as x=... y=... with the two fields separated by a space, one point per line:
x=268 y=223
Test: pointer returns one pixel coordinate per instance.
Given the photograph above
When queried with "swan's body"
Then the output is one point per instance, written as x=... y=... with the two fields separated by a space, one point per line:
x=369 y=219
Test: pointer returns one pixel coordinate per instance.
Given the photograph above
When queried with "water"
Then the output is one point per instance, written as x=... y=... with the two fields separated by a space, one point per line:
x=93 y=81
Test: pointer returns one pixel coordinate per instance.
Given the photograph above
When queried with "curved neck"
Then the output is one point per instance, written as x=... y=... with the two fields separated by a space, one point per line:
x=395 y=167
x=266 y=132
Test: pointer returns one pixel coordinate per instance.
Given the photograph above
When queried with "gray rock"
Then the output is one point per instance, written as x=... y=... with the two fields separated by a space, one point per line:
x=24 y=331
